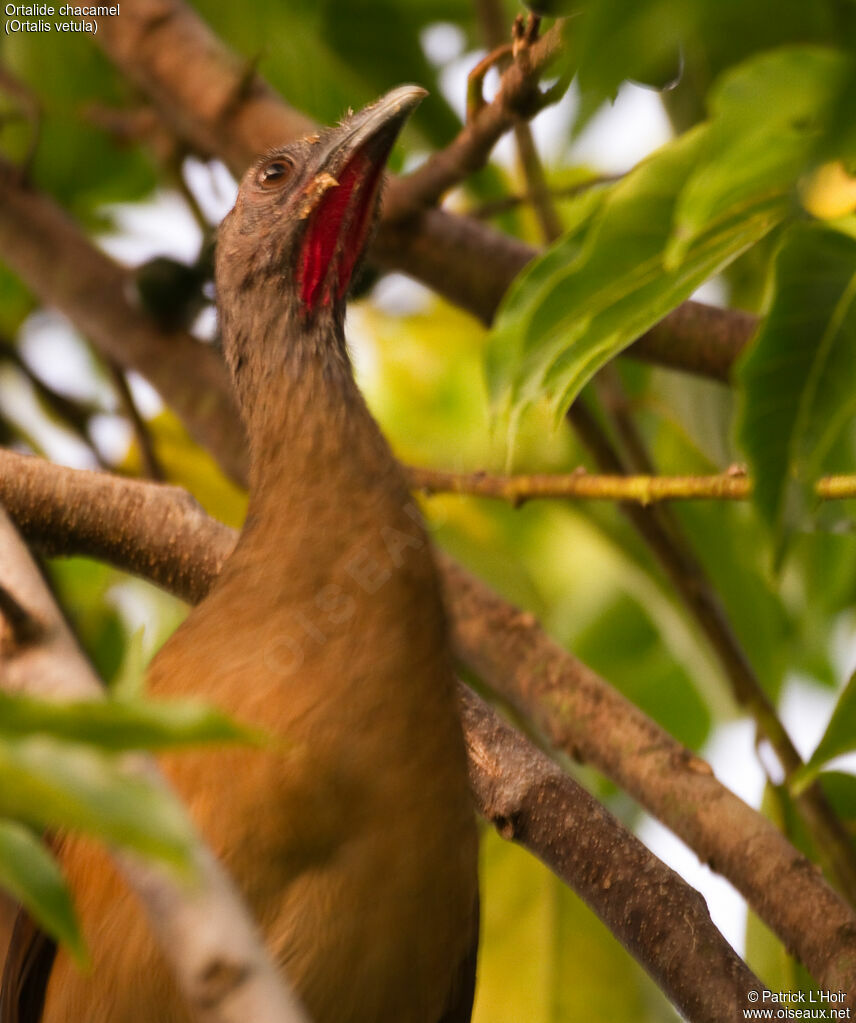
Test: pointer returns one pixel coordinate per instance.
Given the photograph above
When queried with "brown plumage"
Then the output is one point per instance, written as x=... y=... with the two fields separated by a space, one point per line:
x=353 y=841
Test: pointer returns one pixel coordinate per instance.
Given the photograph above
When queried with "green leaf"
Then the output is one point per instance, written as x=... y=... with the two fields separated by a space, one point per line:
x=584 y=301
x=31 y=876
x=505 y=347
x=677 y=219
x=572 y=961
x=768 y=119
x=130 y=681
x=641 y=41
x=798 y=381
x=765 y=954
x=117 y=725
x=82 y=586
x=643 y=667
x=78 y=162
x=656 y=41
x=839 y=737
x=51 y=784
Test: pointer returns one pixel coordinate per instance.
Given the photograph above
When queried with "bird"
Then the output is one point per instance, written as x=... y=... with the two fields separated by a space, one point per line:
x=351 y=834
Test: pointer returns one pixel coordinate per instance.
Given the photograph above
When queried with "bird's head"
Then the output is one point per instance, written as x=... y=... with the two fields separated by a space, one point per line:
x=305 y=211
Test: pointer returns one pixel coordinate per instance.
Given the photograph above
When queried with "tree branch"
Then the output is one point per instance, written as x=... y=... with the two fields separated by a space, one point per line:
x=732 y=485
x=699 y=339
x=65 y=270
x=149 y=460
x=495 y=207
x=221 y=107
x=491 y=16
x=518 y=98
x=147 y=529
x=203 y=930
x=157 y=532
x=581 y=714
x=652 y=911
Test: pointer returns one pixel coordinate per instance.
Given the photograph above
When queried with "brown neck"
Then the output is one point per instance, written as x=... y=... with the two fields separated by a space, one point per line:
x=315 y=448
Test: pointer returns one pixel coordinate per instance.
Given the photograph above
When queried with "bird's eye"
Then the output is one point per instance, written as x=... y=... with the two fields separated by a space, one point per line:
x=275 y=173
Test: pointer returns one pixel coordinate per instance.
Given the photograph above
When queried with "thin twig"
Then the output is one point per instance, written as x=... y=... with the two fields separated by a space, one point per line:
x=517 y=99
x=73 y=414
x=523 y=35
x=478 y=73
x=613 y=397
x=495 y=207
x=151 y=463
x=581 y=485
x=548 y=218
x=732 y=485
x=536 y=182
x=66 y=271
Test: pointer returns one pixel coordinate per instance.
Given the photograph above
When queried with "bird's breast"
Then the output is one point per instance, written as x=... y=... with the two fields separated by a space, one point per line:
x=351 y=833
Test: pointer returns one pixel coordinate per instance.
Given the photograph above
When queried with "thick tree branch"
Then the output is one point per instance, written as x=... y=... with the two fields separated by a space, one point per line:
x=584 y=716
x=652 y=911
x=221 y=107
x=204 y=930
x=698 y=339
x=157 y=532
x=465 y=262
x=129 y=524
x=65 y=270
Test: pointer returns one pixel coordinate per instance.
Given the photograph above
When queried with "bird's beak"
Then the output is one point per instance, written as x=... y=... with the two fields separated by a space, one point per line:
x=373 y=129
x=340 y=199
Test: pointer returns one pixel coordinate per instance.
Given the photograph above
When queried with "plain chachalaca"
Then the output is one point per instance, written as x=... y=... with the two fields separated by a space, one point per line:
x=353 y=838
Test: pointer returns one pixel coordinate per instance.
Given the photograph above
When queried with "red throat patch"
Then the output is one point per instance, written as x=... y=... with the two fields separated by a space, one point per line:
x=336 y=232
